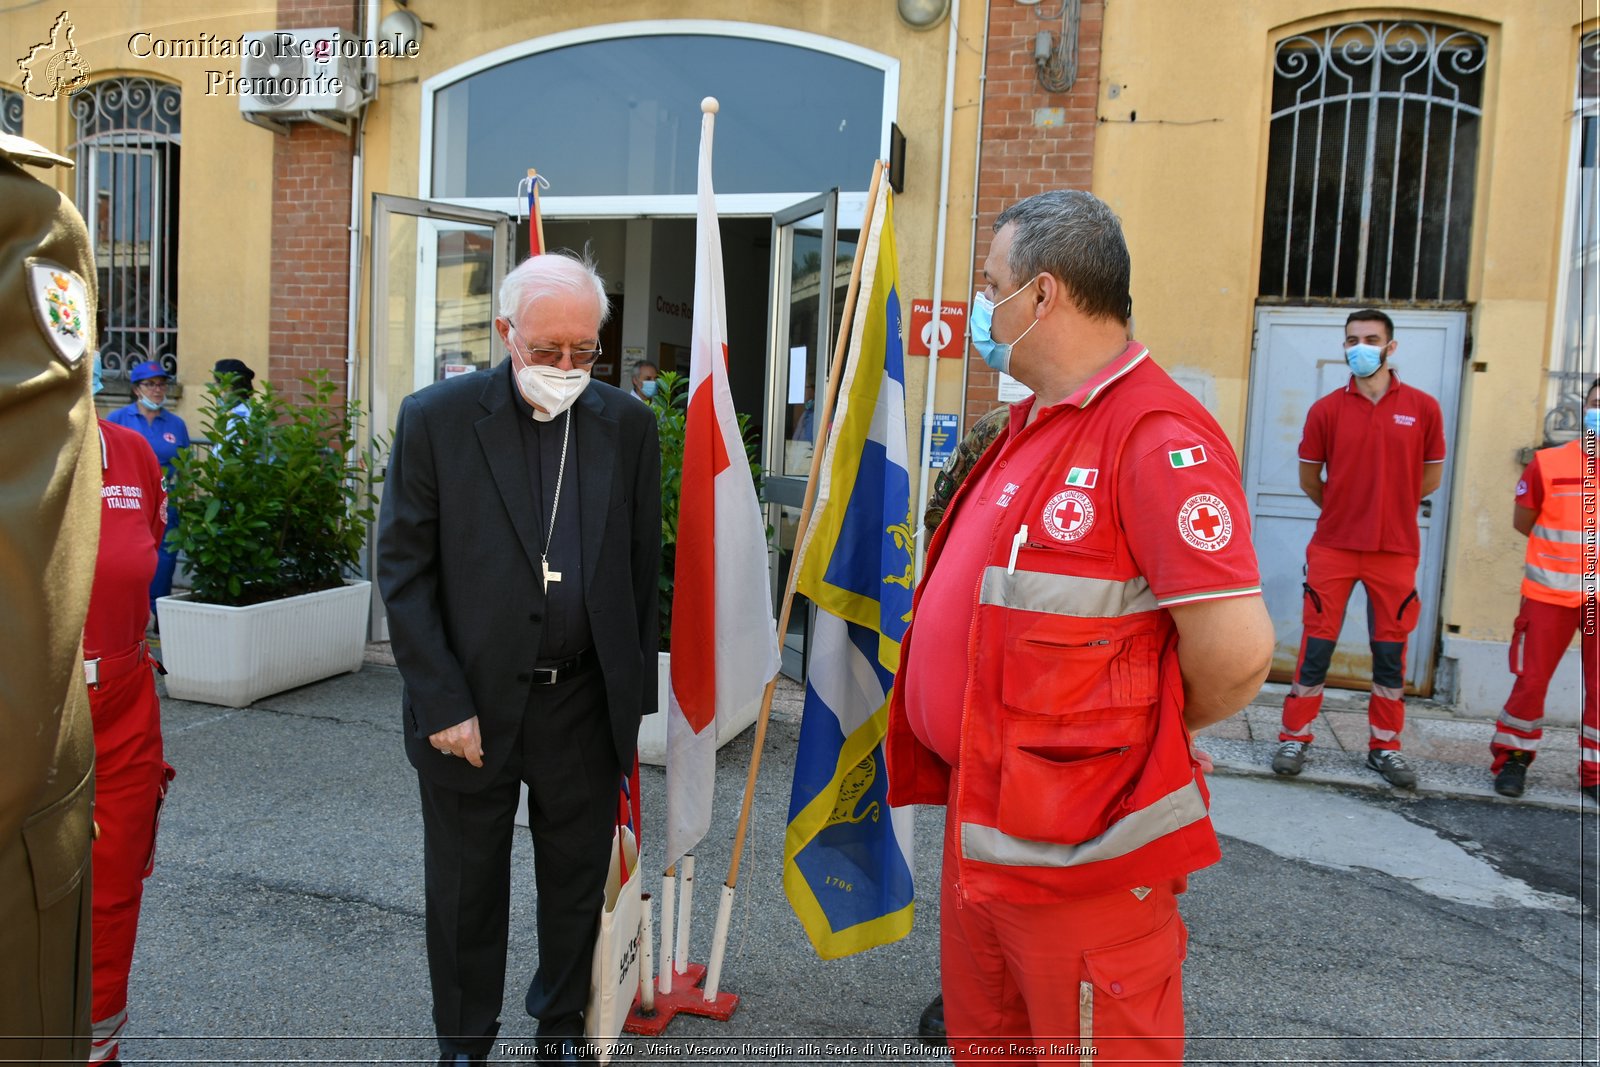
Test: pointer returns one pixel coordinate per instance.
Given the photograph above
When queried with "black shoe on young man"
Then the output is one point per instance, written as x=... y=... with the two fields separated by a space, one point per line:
x=930 y=1027
x=1393 y=766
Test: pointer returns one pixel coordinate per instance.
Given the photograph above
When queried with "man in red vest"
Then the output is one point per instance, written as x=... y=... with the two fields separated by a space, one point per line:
x=1382 y=443
x=1090 y=599
x=1558 y=596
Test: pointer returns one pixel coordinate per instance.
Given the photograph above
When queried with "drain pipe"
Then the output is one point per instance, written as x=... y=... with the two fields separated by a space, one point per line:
x=934 y=345
x=977 y=176
x=370 y=89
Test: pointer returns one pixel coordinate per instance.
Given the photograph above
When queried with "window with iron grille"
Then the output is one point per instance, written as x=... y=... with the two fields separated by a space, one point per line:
x=10 y=111
x=1576 y=359
x=1372 y=164
x=128 y=148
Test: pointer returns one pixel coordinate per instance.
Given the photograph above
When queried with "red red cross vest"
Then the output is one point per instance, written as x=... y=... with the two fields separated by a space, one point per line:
x=1075 y=776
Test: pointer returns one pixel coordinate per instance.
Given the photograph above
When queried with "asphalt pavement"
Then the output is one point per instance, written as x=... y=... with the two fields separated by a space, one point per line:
x=1347 y=922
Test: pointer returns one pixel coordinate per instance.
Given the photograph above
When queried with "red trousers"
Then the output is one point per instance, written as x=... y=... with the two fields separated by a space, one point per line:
x=1390 y=579
x=1543 y=632
x=1089 y=980
x=130 y=782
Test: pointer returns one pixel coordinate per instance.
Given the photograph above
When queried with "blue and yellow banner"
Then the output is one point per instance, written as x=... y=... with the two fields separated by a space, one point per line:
x=847 y=866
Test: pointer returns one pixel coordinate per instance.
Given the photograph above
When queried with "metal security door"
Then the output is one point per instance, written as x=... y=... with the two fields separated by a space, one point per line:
x=436 y=271
x=1298 y=358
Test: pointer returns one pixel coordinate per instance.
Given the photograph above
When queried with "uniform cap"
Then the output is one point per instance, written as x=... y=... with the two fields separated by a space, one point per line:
x=145 y=371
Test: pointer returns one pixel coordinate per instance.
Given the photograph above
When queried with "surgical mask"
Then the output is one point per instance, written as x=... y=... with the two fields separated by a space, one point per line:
x=551 y=389
x=1591 y=421
x=148 y=404
x=996 y=354
x=1364 y=360
x=648 y=388
x=97 y=375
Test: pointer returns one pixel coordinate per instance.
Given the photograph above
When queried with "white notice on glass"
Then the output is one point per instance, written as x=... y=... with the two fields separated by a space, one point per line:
x=1012 y=390
x=797 y=374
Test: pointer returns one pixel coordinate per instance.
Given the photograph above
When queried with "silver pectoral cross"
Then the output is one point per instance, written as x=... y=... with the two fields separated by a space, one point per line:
x=549 y=575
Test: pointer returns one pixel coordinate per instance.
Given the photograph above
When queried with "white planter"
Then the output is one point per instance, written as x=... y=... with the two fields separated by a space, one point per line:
x=217 y=654
x=653 y=728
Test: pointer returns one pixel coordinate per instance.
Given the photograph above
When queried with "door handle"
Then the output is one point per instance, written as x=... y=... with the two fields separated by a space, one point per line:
x=1427 y=509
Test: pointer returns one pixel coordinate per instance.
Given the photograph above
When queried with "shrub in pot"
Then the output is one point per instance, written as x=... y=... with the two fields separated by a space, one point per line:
x=273 y=512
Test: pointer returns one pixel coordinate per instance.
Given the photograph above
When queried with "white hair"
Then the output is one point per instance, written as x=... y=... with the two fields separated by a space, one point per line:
x=552 y=274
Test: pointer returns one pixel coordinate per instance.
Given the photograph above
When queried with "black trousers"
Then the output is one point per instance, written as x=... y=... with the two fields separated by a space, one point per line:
x=565 y=754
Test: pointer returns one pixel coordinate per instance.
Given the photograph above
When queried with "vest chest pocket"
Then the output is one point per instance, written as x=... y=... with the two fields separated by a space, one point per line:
x=1052 y=666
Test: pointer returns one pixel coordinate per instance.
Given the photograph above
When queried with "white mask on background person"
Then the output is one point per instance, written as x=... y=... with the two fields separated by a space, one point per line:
x=550 y=389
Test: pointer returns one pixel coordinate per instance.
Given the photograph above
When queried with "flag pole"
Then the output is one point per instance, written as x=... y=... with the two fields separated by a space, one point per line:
x=840 y=348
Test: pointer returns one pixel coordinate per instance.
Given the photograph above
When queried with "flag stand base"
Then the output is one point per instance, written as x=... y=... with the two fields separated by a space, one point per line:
x=686 y=997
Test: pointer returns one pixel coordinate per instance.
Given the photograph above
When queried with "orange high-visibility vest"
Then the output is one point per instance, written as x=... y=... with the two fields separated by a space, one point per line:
x=1553 y=569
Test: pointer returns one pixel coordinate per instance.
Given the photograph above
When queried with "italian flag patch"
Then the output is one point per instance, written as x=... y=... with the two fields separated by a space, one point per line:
x=1188 y=457
x=1083 y=476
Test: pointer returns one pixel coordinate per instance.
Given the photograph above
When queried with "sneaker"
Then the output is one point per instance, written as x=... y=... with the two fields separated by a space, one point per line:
x=1290 y=757
x=1393 y=766
x=1512 y=778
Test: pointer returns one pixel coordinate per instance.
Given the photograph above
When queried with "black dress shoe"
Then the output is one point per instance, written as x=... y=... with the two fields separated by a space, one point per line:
x=930 y=1027
x=462 y=1059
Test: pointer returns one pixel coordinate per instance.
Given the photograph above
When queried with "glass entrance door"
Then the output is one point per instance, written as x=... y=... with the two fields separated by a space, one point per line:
x=804 y=254
x=435 y=272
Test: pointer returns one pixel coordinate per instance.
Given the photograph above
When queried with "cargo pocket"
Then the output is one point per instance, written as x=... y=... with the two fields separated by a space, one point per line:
x=1130 y=999
x=1051 y=668
x=1410 y=611
x=1519 y=635
x=1063 y=781
x=167 y=775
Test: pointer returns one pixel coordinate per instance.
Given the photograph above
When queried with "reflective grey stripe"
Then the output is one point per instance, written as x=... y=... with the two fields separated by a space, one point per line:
x=1508 y=719
x=1298 y=690
x=1561 y=581
x=1559 y=536
x=1085 y=1024
x=1171 y=813
x=1065 y=594
x=1590 y=755
x=1526 y=744
x=1589 y=734
x=1389 y=692
x=1384 y=735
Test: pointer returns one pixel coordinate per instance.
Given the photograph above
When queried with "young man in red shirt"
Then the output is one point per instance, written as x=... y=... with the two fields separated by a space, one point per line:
x=1382 y=444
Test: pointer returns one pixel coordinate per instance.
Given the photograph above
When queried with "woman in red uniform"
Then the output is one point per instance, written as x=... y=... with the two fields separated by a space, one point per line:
x=130 y=775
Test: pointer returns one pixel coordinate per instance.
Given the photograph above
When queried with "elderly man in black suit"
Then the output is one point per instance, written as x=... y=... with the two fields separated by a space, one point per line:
x=518 y=552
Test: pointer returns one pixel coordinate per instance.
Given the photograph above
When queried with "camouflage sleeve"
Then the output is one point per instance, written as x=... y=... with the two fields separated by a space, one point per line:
x=967 y=454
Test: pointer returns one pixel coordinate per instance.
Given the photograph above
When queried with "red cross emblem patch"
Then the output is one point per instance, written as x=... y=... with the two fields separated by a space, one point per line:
x=1205 y=523
x=1069 y=515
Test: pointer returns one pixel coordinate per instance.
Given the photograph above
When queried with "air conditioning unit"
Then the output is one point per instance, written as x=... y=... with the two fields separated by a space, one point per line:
x=311 y=74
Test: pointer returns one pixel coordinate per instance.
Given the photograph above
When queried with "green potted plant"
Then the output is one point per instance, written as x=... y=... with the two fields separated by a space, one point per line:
x=671 y=405
x=272 y=515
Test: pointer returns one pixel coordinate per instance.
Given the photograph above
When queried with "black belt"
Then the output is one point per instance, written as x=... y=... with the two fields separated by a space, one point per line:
x=564 y=669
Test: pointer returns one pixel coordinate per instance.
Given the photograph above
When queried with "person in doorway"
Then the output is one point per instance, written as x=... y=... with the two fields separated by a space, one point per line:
x=1382 y=444
x=1558 y=598
x=1105 y=544
x=167 y=435
x=519 y=548
x=130 y=776
x=49 y=527
x=644 y=381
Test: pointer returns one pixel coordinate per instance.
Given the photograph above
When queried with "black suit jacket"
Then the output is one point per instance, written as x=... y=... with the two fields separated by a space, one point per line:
x=458 y=562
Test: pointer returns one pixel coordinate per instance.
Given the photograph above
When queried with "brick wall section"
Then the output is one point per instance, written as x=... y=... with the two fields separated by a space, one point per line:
x=1020 y=159
x=310 y=277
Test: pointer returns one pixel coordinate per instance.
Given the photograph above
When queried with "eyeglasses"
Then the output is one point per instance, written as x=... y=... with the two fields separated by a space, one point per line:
x=582 y=355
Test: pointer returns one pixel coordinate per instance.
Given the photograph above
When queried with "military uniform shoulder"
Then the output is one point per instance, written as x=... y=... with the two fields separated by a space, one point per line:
x=21 y=150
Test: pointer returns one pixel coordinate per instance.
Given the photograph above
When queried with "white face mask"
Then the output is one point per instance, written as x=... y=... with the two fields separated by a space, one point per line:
x=549 y=390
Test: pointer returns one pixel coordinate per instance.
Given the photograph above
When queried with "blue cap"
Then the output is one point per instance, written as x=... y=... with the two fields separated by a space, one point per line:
x=147 y=370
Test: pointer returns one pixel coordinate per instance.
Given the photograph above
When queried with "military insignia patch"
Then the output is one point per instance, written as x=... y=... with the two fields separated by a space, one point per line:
x=61 y=307
x=1069 y=516
x=1205 y=523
